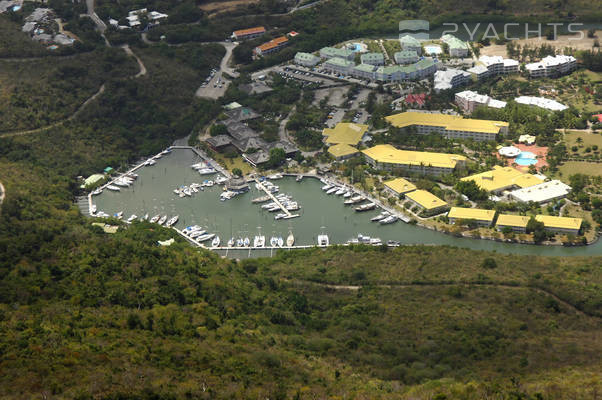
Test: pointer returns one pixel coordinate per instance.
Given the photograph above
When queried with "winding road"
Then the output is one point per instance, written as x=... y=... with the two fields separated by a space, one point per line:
x=2 y=193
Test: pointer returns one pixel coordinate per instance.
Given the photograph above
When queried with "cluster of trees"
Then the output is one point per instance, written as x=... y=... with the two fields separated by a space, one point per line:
x=591 y=59
x=527 y=53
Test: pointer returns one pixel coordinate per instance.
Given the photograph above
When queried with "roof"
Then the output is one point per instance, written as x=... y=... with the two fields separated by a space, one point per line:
x=542 y=192
x=400 y=185
x=512 y=220
x=408 y=40
x=550 y=221
x=450 y=122
x=471 y=213
x=541 y=102
x=306 y=57
x=340 y=62
x=345 y=132
x=502 y=178
x=249 y=31
x=372 y=57
x=365 y=67
x=386 y=153
x=550 y=61
x=335 y=52
x=241 y=114
x=426 y=199
x=274 y=43
x=219 y=140
x=342 y=150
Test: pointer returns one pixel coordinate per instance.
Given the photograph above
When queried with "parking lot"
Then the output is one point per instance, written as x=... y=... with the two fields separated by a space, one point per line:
x=214 y=85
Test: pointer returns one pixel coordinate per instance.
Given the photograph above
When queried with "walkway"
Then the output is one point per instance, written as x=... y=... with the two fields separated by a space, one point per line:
x=275 y=200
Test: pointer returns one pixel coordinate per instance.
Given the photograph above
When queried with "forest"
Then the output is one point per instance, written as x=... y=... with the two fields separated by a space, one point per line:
x=90 y=315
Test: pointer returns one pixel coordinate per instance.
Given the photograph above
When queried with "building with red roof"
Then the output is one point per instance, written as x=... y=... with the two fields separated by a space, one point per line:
x=250 y=33
x=271 y=46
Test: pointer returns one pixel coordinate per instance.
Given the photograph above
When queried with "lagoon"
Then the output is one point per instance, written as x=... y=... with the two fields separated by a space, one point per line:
x=152 y=193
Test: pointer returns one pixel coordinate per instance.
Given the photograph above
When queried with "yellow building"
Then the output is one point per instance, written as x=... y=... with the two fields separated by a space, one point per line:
x=345 y=133
x=399 y=186
x=503 y=178
x=427 y=200
x=450 y=126
x=560 y=224
x=482 y=217
x=342 y=151
x=518 y=223
x=385 y=156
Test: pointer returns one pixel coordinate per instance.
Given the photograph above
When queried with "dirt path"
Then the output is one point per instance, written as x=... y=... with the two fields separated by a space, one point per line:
x=129 y=51
x=2 y=193
x=58 y=123
x=433 y=284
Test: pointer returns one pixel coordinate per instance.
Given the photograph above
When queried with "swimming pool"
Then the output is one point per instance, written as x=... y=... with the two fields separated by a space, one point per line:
x=433 y=49
x=526 y=158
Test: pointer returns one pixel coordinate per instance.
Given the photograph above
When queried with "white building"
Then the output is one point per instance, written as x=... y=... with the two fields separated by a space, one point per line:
x=450 y=79
x=406 y=57
x=497 y=65
x=306 y=59
x=542 y=193
x=469 y=100
x=479 y=71
x=541 y=102
x=552 y=66
x=410 y=43
x=339 y=65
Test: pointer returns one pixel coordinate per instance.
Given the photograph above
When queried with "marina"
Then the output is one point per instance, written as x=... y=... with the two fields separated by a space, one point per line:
x=238 y=218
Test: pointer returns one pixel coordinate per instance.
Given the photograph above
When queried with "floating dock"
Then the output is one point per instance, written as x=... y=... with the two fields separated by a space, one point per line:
x=275 y=200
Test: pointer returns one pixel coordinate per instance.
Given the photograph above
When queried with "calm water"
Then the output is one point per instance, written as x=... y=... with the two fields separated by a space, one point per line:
x=152 y=193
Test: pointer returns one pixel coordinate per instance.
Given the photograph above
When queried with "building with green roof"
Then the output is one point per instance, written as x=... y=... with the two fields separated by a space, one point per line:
x=332 y=52
x=306 y=59
x=406 y=57
x=339 y=65
x=364 y=71
x=373 y=58
x=457 y=47
x=410 y=43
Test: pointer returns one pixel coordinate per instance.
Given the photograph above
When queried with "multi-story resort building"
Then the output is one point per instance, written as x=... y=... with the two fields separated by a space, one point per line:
x=346 y=133
x=250 y=33
x=501 y=179
x=306 y=59
x=427 y=201
x=552 y=66
x=410 y=43
x=542 y=192
x=387 y=157
x=497 y=65
x=396 y=73
x=450 y=126
x=541 y=102
x=331 y=52
x=342 y=151
x=271 y=46
x=469 y=100
x=406 y=57
x=399 y=187
x=457 y=47
x=339 y=65
x=518 y=223
x=480 y=216
x=450 y=79
x=373 y=58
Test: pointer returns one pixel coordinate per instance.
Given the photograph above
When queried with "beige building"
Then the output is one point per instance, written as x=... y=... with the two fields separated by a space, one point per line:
x=480 y=216
x=387 y=157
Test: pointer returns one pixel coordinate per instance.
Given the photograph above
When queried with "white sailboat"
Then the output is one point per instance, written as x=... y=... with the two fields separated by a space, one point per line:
x=216 y=241
x=162 y=220
x=290 y=240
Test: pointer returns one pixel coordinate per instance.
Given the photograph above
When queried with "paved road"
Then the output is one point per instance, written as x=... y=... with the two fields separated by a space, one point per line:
x=99 y=23
x=211 y=89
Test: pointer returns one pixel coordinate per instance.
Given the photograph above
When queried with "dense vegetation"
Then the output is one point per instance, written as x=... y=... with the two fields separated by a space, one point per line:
x=88 y=315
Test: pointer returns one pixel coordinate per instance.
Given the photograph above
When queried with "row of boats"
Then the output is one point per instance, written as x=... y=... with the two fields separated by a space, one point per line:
x=200 y=235
x=353 y=198
x=163 y=220
x=203 y=168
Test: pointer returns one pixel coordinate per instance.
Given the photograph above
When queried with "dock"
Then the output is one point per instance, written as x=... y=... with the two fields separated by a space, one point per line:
x=275 y=200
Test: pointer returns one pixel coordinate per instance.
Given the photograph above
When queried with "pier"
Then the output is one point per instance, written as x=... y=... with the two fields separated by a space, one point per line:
x=275 y=200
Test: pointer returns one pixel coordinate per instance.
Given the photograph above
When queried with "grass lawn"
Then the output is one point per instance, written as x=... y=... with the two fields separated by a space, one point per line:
x=231 y=163
x=579 y=167
x=594 y=76
x=588 y=140
x=577 y=212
